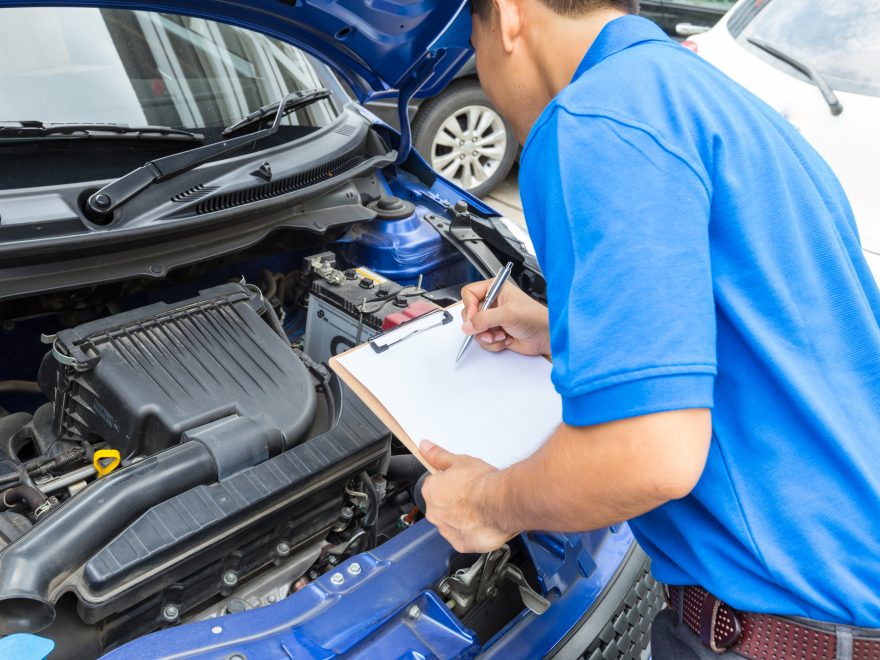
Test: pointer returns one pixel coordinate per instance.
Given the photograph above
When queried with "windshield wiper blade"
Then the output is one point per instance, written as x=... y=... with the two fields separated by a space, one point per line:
x=114 y=194
x=303 y=99
x=37 y=129
x=807 y=69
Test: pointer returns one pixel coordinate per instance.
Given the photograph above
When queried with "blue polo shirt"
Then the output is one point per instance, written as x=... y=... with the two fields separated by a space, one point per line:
x=700 y=254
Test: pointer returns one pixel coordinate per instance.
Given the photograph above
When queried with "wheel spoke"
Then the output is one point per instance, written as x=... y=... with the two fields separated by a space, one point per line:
x=467 y=178
x=452 y=126
x=451 y=171
x=440 y=162
x=479 y=171
x=473 y=118
x=493 y=138
x=487 y=118
x=493 y=153
x=443 y=138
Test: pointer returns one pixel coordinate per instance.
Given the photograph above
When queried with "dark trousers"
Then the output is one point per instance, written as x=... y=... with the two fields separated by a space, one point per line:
x=673 y=641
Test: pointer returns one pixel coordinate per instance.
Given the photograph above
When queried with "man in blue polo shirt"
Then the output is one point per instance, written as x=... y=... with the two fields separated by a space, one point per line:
x=714 y=332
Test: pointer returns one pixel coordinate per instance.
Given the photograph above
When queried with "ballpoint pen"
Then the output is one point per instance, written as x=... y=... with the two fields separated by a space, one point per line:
x=500 y=279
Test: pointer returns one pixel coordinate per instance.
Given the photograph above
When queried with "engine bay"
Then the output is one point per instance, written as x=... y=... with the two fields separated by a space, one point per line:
x=175 y=451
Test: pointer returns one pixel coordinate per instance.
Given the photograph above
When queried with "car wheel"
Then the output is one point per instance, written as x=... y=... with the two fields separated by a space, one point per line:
x=464 y=138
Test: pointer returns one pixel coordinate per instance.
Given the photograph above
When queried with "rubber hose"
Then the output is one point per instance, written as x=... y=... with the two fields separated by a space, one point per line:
x=405 y=467
x=373 y=497
x=20 y=386
x=9 y=426
x=418 y=497
x=39 y=466
x=45 y=557
x=385 y=462
x=27 y=494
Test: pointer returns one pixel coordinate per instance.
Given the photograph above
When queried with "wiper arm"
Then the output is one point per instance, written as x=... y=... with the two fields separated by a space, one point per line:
x=807 y=69
x=38 y=129
x=290 y=104
x=113 y=195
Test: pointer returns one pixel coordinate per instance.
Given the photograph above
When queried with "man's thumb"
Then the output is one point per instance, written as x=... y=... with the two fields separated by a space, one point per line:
x=438 y=457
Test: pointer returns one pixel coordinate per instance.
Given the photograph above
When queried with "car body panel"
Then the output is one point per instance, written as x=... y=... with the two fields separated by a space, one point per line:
x=382 y=605
x=848 y=142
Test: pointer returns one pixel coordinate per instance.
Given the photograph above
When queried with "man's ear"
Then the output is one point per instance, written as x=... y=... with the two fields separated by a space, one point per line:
x=510 y=22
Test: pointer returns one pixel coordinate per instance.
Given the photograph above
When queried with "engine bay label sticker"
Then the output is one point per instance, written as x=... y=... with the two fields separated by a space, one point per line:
x=366 y=273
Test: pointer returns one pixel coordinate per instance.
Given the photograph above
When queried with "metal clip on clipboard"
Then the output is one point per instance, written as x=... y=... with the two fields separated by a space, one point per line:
x=385 y=340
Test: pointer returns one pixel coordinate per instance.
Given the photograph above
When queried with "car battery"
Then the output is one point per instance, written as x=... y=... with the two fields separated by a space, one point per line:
x=348 y=307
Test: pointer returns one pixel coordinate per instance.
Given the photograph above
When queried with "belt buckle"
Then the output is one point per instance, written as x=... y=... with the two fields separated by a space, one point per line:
x=709 y=624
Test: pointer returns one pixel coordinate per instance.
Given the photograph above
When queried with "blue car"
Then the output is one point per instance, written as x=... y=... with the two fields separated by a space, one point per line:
x=194 y=217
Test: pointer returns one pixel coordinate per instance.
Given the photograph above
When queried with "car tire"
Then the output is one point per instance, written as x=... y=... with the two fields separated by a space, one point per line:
x=448 y=125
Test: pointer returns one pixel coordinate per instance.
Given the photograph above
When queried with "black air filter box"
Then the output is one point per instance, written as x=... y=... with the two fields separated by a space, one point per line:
x=140 y=379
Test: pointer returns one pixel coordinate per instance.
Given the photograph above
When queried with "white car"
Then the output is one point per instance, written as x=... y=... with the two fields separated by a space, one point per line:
x=817 y=63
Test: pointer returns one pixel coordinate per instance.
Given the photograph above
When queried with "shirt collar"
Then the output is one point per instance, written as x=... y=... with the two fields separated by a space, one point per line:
x=618 y=35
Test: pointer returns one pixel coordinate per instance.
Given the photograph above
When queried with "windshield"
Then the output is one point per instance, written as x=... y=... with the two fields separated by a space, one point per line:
x=841 y=38
x=144 y=68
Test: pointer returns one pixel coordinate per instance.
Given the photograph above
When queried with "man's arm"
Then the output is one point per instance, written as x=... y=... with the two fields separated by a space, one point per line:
x=582 y=478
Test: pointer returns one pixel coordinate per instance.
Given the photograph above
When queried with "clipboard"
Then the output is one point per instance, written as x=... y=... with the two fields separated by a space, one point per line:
x=380 y=343
x=499 y=407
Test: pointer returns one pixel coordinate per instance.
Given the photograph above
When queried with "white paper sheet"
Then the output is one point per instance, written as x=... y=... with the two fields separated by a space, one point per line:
x=499 y=407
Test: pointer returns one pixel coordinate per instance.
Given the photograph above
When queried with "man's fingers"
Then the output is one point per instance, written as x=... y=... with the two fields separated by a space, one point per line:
x=472 y=295
x=438 y=457
x=492 y=318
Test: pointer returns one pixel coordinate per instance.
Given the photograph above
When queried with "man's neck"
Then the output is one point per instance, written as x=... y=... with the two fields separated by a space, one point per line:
x=560 y=44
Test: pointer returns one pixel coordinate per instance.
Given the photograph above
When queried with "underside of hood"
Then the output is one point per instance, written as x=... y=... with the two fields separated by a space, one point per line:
x=414 y=46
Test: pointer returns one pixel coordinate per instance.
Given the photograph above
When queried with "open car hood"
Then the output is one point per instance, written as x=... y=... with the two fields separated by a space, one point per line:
x=375 y=45
x=381 y=48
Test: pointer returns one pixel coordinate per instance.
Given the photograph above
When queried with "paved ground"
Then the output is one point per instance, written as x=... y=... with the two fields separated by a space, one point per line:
x=505 y=198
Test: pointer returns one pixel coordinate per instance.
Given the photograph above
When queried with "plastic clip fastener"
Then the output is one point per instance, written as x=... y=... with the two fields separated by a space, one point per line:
x=102 y=467
x=385 y=340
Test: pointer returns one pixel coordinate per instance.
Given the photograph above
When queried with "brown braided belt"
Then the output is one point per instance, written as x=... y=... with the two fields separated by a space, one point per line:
x=760 y=636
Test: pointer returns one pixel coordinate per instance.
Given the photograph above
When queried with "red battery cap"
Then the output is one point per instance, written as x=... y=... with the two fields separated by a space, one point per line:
x=413 y=310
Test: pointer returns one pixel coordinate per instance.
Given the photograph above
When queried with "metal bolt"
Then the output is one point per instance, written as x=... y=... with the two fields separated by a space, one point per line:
x=337 y=579
x=474 y=139
x=230 y=578
x=445 y=588
x=461 y=142
x=236 y=605
x=414 y=612
x=170 y=613
x=354 y=569
x=271 y=598
x=332 y=560
x=282 y=549
x=461 y=157
x=102 y=201
x=473 y=153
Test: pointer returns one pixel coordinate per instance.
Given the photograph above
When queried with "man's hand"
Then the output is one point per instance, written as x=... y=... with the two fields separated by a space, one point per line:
x=516 y=321
x=582 y=478
x=454 y=496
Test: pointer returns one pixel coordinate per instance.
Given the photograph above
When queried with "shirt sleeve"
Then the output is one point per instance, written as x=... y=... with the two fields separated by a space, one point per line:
x=621 y=223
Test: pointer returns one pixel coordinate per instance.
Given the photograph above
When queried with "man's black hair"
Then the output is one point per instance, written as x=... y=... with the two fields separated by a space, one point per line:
x=482 y=8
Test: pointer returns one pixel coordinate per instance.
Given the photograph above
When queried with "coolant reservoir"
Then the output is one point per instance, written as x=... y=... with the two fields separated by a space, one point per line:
x=400 y=245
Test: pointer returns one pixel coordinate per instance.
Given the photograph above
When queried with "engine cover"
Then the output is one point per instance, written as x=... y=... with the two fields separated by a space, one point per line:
x=140 y=379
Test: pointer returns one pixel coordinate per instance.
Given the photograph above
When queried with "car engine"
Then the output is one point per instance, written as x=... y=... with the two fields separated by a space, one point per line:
x=192 y=461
